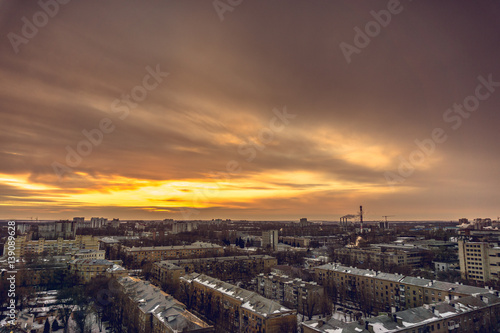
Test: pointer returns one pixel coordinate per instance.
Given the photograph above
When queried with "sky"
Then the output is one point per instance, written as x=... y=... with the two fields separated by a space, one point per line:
x=262 y=110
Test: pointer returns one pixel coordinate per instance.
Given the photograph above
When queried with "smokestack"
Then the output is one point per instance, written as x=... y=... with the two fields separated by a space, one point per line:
x=361 y=217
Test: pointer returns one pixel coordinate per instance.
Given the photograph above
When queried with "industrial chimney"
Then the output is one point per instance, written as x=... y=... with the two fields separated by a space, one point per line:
x=361 y=217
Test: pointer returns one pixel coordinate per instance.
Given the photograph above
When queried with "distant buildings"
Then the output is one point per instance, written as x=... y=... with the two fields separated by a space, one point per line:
x=304 y=223
x=98 y=222
x=54 y=230
x=183 y=226
x=236 y=309
x=150 y=310
x=25 y=246
x=158 y=253
x=296 y=241
x=270 y=239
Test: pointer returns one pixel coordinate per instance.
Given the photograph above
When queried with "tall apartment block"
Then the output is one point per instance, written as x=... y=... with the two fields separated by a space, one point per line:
x=270 y=238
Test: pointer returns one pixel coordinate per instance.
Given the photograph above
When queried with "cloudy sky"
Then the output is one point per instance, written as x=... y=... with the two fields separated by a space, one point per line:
x=249 y=109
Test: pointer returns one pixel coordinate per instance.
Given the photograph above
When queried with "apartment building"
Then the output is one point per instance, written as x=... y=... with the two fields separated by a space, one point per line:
x=226 y=268
x=296 y=241
x=98 y=222
x=157 y=253
x=166 y=273
x=25 y=246
x=399 y=255
x=89 y=254
x=479 y=313
x=388 y=292
x=87 y=269
x=55 y=229
x=479 y=260
x=150 y=310
x=236 y=309
x=270 y=239
x=183 y=226
x=304 y=296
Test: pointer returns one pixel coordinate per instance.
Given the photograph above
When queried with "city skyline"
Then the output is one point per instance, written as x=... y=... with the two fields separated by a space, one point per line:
x=254 y=110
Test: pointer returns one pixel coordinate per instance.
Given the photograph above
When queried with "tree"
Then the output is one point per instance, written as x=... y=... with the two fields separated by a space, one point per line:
x=146 y=269
x=186 y=294
x=46 y=327
x=69 y=299
x=326 y=305
x=55 y=325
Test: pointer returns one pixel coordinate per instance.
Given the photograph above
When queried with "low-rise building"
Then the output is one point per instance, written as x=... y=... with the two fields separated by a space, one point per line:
x=296 y=241
x=236 y=309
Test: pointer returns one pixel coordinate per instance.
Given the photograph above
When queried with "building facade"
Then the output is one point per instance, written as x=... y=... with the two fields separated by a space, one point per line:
x=388 y=255
x=296 y=241
x=270 y=239
x=304 y=296
x=87 y=269
x=235 y=309
x=150 y=310
x=388 y=292
x=25 y=246
x=157 y=253
x=89 y=254
x=479 y=313
x=479 y=260
x=225 y=268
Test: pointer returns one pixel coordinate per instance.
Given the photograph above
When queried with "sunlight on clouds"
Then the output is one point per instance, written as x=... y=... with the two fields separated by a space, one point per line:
x=195 y=193
x=22 y=182
x=355 y=149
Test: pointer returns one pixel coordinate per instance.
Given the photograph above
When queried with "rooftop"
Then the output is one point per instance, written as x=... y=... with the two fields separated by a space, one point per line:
x=151 y=299
x=403 y=320
x=211 y=259
x=195 y=245
x=250 y=300
x=411 y=280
